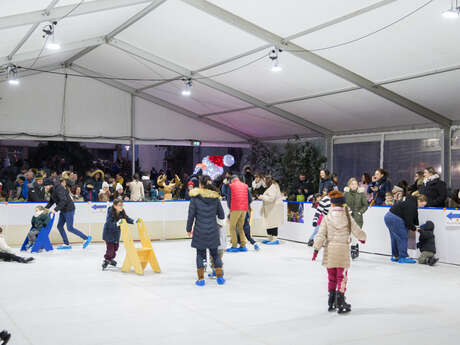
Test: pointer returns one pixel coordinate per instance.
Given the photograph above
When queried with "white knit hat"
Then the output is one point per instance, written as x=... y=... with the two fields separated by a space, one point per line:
x=118 y=187
x=105 y=185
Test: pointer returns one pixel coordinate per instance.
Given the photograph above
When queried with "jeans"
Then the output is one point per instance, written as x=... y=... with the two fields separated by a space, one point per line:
x=315 y=231
x=67 y=218
x=201 y=257
x=32 y=235
x=111 y=251
x=398 y=234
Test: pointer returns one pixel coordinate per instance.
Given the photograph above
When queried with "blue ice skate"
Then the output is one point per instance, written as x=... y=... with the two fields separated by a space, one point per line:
x=256 y=246
x=273 y=243
x=407 y=261
x=200 y=282
x=232 y=250
x=87 y=242
x=220 y=280
x=242 y=249
x=64 y=247
x=212 y=274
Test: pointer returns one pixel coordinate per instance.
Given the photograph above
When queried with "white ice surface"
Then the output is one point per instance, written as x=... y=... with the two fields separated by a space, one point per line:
x=275 y=296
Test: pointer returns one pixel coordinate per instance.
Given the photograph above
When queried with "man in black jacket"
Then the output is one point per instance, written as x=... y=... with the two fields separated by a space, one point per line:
x=304 y=187
x=64 y=204
x=427 y=244
x=37 y=192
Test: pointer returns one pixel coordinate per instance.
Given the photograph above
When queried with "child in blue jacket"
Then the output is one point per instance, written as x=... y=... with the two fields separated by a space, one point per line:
x=112 y=231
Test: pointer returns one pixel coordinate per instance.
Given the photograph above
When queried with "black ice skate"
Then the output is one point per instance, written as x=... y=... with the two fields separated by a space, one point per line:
x=342 y=306
x=4 y=337
x=105 y=263
x=113 y=263
x=331 y=301
x=354 y=251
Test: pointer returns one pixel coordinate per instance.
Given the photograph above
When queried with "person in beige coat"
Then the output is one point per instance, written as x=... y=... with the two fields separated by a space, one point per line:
x=272 y=209
x=334 y=234
x=136 y=189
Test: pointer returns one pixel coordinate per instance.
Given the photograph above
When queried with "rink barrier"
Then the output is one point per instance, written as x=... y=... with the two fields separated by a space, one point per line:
x=167 y=220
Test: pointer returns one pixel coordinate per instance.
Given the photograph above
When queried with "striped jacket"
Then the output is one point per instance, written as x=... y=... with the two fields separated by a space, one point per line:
x=322 y=209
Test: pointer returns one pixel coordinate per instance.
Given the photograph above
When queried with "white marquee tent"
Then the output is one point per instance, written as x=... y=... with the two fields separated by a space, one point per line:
x=349 y=68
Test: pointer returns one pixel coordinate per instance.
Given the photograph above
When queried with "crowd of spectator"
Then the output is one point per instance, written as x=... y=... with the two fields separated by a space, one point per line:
x=108 y=181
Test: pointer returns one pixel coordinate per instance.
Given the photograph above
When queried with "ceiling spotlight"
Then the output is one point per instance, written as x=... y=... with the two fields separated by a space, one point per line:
x=12 y=73
x=49 y=33
x=275 y=60
x=187 y=91
x=453 y=12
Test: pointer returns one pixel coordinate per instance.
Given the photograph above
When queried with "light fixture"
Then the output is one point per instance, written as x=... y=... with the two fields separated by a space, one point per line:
x=12 y=73
x=275 y=60
x=49 y=33
x=453 y=12
x=187 y=91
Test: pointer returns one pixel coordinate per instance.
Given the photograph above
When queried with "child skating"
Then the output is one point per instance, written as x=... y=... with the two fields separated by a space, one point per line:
x=334 y=233
x=221 y=248
x=315 y=204
x=204 y=206
x=39 y=220
x=111 y=233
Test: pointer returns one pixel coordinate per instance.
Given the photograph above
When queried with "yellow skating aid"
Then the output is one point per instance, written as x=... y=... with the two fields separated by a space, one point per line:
x=138 y=258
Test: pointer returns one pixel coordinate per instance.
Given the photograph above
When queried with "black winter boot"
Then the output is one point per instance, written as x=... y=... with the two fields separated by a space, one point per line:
x=310 y=243
x=4 y=337
x=354 y=251
x=331 y=300
x=113 y=263
x=105 y=263
x=432 y=261
x=342 y=306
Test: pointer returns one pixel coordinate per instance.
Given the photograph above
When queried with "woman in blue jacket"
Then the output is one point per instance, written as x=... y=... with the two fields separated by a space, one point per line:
x=111 y=233
x=325 y=184
x=379 y=187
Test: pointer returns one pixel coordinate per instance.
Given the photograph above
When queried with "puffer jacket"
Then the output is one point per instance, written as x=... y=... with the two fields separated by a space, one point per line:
x=435 y=190
x=357 y=203
x=204 y=206
x=41 y=221
x=334 y=234
x=112 y=231
x=239 y=196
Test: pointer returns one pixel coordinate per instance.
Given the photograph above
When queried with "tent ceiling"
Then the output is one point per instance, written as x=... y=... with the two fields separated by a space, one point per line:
x=190 y=38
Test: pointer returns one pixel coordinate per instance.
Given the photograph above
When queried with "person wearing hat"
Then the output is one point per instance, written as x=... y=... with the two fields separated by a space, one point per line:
x=104 y=193
x=190 y=186
x=37 y=192
x=66 y=208
x=427 y=244
x=334 y=234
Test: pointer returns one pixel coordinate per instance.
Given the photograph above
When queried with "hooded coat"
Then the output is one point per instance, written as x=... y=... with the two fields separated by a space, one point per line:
x=357 y=203
x=204 y=206
x=334 y=234
x=272 y=209
x=427 y=240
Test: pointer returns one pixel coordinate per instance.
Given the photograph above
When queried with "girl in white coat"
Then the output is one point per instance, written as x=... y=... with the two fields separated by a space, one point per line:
x=272 y=209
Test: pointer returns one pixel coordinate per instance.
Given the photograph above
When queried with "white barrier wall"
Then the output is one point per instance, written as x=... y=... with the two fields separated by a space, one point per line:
x=447 y=231
x=164 y=220
x=167 y=220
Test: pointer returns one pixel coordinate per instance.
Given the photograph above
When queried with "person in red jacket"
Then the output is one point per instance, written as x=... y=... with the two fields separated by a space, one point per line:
x=238 y=200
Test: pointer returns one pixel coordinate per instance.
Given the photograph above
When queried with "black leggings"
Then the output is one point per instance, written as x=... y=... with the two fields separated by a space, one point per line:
x=247 y=230
x=10 y=257
x=201 y=257
x=272 y=232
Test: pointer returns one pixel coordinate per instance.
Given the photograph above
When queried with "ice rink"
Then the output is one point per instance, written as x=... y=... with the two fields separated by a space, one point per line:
x=275 y=296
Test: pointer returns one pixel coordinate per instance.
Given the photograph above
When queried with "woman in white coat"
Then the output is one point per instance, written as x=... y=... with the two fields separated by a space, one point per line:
x=272 y=209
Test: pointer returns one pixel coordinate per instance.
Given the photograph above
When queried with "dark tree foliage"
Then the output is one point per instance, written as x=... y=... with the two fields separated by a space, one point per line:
x=286 y=163
x=62 y=155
